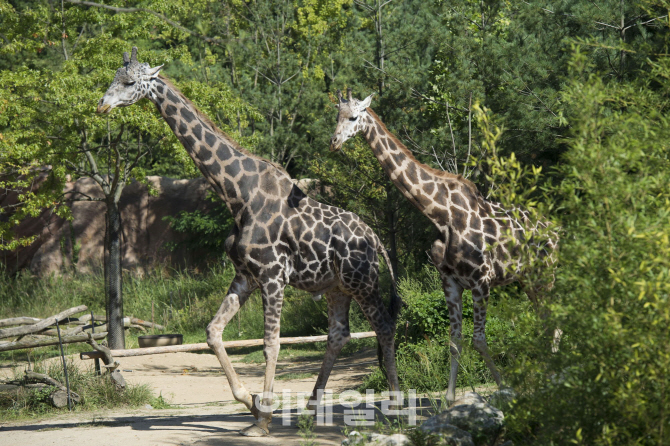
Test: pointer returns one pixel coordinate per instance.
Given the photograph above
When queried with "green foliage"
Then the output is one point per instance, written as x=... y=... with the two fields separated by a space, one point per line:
x=512 y=58
x=422 y=353
x=306 y=426
x=203 y=231
x=608 y=382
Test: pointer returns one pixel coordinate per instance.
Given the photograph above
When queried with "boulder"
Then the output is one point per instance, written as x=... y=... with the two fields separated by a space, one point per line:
x=472 y=414
x=446 y=434
x=356 y=438
x=502 y=399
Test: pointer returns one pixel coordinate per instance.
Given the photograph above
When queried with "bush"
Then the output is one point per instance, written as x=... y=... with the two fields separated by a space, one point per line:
x=422 y=353
x=96 y=392
x=608 y=384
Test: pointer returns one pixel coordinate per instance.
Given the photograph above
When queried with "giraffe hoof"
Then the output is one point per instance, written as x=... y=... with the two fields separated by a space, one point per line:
x=254 y=431
x=255 y=402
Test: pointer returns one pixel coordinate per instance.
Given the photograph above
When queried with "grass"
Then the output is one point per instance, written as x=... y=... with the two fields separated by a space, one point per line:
x=309 y=352
x=96 y=392
x=296 y=375
x=184 y=302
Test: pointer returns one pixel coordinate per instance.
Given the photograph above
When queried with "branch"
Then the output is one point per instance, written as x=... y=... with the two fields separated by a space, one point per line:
x=213 y=40
x=88 y=197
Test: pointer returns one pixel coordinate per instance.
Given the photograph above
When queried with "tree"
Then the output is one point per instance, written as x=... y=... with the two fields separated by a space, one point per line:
x=512 y=58
x=47 y=119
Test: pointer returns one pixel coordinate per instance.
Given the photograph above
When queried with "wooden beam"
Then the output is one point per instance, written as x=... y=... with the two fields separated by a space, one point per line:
x=18 y=321
x=203 y=346
x=6 y=346
x=44 y=323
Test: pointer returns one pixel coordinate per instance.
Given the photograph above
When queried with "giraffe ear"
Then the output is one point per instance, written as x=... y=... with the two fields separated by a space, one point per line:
x=153 y=72
x=365 y=103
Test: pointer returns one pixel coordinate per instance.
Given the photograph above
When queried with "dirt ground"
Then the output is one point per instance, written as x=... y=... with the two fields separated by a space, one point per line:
x=206 y=413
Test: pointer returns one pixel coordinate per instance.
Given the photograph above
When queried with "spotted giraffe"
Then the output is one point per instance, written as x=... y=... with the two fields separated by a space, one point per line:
x=280 y=237
x=472 y=251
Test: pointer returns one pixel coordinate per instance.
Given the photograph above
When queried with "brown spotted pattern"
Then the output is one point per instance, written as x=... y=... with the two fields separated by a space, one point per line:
x=281 y=237
x=472 y=250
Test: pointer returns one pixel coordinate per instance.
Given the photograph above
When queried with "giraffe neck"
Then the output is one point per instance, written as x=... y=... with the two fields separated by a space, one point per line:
x=417 y=182
x=234 y=174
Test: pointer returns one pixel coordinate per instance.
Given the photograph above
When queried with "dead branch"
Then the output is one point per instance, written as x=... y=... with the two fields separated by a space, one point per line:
x=27 y=329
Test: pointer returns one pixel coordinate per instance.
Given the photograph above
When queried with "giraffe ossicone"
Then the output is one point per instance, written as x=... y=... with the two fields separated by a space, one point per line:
x=475 y=248
x=280 y=237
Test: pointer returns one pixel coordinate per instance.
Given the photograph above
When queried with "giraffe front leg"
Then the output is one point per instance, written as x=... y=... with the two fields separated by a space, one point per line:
x=238 y=293
x=480 y=298
x=338 y=336
x=273 y=296
x=453 y=293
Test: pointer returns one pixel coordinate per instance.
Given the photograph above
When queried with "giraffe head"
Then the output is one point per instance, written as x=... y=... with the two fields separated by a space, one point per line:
x=349 y=119
x=131 y=83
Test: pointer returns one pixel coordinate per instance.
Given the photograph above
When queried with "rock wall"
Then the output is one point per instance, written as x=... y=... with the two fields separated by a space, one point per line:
x=145 y=233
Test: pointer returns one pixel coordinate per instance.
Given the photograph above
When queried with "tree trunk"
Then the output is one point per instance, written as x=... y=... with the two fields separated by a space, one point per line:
x=113 y=285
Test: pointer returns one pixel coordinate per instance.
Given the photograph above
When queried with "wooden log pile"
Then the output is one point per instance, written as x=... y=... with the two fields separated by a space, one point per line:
x=30 y=332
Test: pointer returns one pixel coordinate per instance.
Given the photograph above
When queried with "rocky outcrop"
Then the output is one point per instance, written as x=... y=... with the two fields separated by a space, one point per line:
x=356 y=438
x=470 y=415
x=470 y=421
x=61 y=244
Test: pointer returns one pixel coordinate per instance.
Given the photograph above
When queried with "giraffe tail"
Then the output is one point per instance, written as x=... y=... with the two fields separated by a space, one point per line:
x=396 y=302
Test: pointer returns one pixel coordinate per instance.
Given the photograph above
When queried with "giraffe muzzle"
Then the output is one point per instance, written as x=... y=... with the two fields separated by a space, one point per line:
x=335 y=144
x=103 y=108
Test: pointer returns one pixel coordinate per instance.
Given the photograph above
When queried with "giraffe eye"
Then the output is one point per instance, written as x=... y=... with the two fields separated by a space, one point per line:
x=130 y=83
x=353 y=118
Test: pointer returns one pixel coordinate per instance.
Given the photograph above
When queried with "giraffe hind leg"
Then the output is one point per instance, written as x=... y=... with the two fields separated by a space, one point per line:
x=338 y=335
x=453 y=293
x=480 y=301
x=376 y=313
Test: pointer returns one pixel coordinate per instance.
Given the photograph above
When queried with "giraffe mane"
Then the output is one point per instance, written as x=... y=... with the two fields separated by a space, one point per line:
x=437 y=172
x=204 y=118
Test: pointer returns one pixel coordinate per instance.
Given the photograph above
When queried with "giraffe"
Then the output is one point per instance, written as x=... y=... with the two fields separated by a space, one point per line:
x=467 y=224
x=280 y=237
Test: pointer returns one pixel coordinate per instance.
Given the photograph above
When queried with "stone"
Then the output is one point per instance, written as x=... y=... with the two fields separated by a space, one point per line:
x=445 y=434
x=471 y=414
x=388 y=440
x=502 y=399
x=356 y=438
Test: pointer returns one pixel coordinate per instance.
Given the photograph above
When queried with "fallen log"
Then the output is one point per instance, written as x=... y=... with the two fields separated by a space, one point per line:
x=147 y=324
x=98 y=318
x=18 y=321
x=44 y=323
x=103 y=327
x=203 y=346
x=54 y=332
x=58 y=397
x=50 y=341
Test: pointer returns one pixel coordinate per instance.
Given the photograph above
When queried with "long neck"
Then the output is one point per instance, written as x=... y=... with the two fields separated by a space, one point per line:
x=235 y=175
x=418 y=182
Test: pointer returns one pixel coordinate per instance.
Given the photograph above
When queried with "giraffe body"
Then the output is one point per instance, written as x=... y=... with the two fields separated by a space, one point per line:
x=472 y=251
x=280 y=237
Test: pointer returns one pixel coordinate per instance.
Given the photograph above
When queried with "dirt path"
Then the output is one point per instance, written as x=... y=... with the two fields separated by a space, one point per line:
x=207 y=414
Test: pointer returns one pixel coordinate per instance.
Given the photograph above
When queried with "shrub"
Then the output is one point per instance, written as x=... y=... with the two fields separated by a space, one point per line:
x=608 y=384
x=422 y=353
